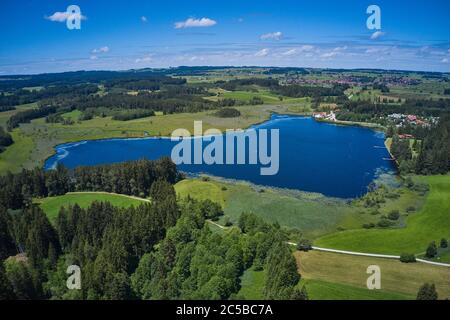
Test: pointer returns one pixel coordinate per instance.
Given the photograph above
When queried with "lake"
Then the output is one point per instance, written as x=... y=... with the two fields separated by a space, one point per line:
x=337 y=161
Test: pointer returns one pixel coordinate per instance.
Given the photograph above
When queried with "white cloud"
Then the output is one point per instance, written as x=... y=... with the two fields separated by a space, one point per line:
x=290 y=52
x=306 y=48
x=272 y=36
x=104 y=49
x=144 y=19
x=445 y=60
x=195 y=23
x=147 y=58
x=262 y=53
x=377 y=35
x=93 y=57
x=329 y=55
x=63 y=16
x=302 y=49
x=338 y=49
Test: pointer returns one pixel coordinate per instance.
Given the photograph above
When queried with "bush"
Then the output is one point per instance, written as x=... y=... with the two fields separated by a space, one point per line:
x=394 y=215
x=427 y=292
x=407 y=258
x=384 y=223
x=410 y=209
x=431 y=250
x=304 y=245
x=228 y=113
x=444 y=243
x=227 y=222
x=368 y=225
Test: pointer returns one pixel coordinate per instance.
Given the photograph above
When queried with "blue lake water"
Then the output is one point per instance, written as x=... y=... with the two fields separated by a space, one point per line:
x=337 y=161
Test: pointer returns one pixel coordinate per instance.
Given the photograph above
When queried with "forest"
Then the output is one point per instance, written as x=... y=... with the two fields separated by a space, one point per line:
x=161 y=250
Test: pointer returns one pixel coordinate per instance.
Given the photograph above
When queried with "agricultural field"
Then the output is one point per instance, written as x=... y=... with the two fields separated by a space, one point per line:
x=343 y=276
x=244 y=96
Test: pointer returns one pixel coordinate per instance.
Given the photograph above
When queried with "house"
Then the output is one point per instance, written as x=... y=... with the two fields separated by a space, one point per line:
x=320 y=115
x=411 y=118
x=406 y=136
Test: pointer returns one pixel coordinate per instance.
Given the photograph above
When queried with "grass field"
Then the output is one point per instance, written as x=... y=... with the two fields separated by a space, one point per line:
x=431 y=223
x=4 y=116
x=323 y=290
x=14 y=157
x=398 y=280
x=252 y=285
x=245 y=96
x=52 y=205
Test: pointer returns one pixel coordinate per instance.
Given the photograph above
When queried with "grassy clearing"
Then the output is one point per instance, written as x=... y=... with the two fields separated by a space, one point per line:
x=201 y=190
x=52 y=205
x=313 y=214
x=431 y=223
x=398 y=279
x=322 y=290
x=252 y=285
x=4 y=116
x=19 y=153
x=245 y=96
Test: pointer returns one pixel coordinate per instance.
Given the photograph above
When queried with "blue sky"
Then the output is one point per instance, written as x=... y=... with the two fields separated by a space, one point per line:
x=117 y=35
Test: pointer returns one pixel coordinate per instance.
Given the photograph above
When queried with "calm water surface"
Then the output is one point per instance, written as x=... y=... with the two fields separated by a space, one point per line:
x=337 y=161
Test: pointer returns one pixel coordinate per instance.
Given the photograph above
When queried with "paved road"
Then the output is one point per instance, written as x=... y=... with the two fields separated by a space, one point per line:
x=373 y=255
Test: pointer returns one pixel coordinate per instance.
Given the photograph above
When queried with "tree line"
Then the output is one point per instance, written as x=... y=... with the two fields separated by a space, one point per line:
x=5 y=139
x=130 y=178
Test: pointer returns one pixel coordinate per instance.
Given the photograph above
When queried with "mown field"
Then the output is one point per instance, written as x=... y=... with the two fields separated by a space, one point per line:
x=52 y=205
x=339 y=271
x=431 y=223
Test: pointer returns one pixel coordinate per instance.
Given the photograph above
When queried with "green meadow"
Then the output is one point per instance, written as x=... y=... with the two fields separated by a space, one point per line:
x=52 y=205
x=431 y=223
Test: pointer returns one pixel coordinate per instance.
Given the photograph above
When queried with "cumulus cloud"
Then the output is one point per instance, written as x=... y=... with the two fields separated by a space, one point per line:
x=104 y=49
x=445 y=60
x=93 y=57
x=377 y=35
x=144 y=19
x=195 y=23
x=272 y=36
x=262 y=53
x=63 y=16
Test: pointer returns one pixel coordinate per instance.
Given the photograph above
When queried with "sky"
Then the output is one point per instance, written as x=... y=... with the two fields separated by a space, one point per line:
x=133 y=34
